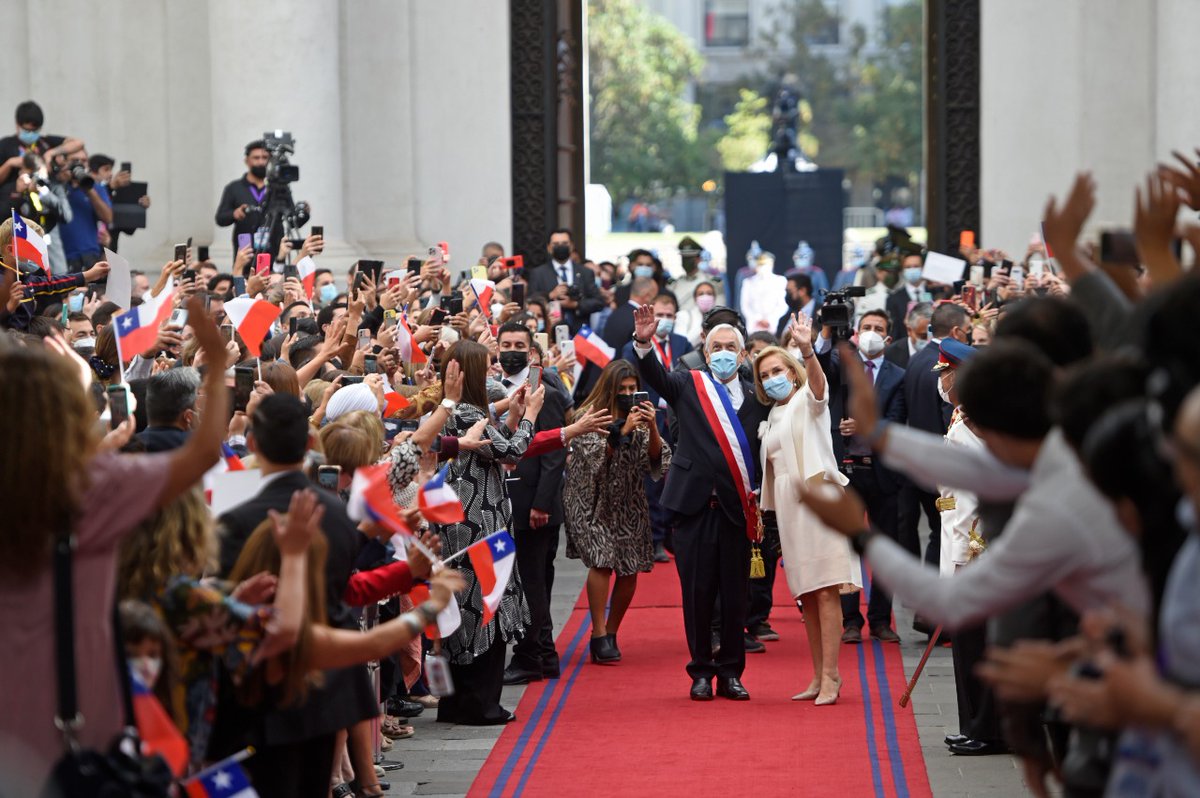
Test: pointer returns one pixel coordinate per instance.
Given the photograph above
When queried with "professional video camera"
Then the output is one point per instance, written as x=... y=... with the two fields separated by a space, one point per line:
x=280 y=173
x=281 y=144
x=837 y=311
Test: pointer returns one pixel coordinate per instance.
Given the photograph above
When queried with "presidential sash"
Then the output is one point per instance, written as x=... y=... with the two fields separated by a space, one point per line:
x=718 y=409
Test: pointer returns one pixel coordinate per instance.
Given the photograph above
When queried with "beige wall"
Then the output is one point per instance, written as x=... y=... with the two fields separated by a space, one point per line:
x=400 y=110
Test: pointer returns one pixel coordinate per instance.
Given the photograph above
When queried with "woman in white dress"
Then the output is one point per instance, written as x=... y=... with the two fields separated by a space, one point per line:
x=798 y=445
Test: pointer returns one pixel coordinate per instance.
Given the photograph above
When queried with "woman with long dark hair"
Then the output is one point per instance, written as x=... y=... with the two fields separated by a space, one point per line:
x=608 y=518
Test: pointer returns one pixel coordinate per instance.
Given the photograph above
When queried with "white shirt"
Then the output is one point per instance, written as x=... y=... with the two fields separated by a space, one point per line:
x=569 y=266
x=1063 y=535
x=763 y=300
x=515 y=381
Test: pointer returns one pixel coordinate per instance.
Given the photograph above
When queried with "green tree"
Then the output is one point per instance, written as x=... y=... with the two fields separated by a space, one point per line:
x=747 y=133
x=644 y=138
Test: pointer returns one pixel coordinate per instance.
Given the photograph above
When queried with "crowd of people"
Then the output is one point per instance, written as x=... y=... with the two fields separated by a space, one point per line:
x=1042 y=415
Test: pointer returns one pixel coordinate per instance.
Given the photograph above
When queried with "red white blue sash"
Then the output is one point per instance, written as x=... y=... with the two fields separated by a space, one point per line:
x=718 y=409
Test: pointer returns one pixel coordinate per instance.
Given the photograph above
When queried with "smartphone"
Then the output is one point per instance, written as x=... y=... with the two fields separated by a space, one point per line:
x=262 y=264
x=393 y=279
x=439 y=314
x=515 y=262
x=227 y=332
x=356 y=379
x=1016 y=278
x=543 y=341
x=518 y=293
x=966 y=239
x=445 y=248
x=639 y=397
x=1117 y=246
x=970 y=296
x=318 y=230
x=118 y=405
x=456 y=303
x=181 y=252
x=535 y=377
x=190 y=274
x=562 y=334
x=371 y=267
x=977 y=274
x=364 y=339
x=567 y=349
x=292 y=322
x=414 y=265
x=290 y=270
x=178 y=318
x=127 y=166
x=358 y=281
x=243 y=386
x=243 y=240
x=370 y=364
x=555 y=310
x=328 y=477
x=201 y=253
x=1036 y=267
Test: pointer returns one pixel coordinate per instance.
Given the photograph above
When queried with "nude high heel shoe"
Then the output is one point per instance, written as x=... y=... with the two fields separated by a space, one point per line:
x=824 y=700
x=809 y=694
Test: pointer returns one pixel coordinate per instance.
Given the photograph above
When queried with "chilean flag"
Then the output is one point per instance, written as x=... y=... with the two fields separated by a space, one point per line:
x=137 y=328
x=395 y=403
x=28 y=244
x=307 y=269
x=253 y=319
x=483 y=290
x=371 y=499
x=159 y=733
x=492 y=560
x=438 y=502
x=226 y=779
x=591 y=348
x=229 y=462
x=448 y=620
x=410 y=352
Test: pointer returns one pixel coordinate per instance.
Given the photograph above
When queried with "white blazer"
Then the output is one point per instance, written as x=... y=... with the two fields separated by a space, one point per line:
x=807 y=424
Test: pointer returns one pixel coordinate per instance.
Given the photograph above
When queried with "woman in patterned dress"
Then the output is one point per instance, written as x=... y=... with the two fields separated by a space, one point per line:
x=476 y=650
x=608 y=518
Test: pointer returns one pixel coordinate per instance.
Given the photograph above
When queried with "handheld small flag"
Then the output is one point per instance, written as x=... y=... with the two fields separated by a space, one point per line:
x=226 y=779
x=410 y=352
x=306 y=267
x=159 y=733
x=28 y=244
x=229 y=462
x=137 y=328
x=492 y=560
x=371 y=499
x=1046 y=242
x=438 y=502
x=483 y=290
x=448 y=620
x=591 y=348
x=395 y=403
x=253 y=319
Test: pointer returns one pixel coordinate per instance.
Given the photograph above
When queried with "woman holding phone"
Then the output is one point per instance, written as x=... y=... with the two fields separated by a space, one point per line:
x=608 y=519
x=797 y=446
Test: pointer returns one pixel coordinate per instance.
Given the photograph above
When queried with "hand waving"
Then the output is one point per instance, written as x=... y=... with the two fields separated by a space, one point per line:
x=644 y=323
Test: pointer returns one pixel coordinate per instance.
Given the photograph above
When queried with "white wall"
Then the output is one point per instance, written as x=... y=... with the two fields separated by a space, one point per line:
x=1105 y=85
x=400 y=110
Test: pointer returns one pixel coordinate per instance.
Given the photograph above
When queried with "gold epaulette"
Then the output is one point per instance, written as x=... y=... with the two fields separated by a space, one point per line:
x=946 y=503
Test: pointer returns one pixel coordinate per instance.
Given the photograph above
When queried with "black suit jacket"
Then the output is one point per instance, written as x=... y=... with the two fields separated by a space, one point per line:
x=889 y=391
x=543 y=279
x=926 y=410
x=539 y=479
x=698 y=467
x=897 y=308
x=162 y=439
x=679 y=348
x=618 y=330
x=897 y=352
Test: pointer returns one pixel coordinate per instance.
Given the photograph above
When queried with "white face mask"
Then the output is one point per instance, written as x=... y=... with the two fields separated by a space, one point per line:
x=147 y=669
x=942 y=392
x=870 y=343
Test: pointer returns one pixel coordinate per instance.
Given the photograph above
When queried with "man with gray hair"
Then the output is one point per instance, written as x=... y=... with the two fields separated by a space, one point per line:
x=917 y=325
x=170 y=409
x=711 y=490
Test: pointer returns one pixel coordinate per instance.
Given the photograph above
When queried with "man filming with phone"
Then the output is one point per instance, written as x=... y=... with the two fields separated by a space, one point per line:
x=243 y=202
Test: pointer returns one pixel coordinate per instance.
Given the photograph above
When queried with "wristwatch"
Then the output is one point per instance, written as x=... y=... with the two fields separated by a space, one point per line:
x=448 y=405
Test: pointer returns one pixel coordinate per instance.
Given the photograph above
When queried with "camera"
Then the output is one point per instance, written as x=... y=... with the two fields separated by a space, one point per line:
x=281 y=144
x=837 y=312
x=79 y=175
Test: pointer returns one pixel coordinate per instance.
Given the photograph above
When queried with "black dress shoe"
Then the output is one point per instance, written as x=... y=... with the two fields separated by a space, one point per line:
x=884 y=634
x=754 y=645
x=851 y=634
x=404 y=709
x=515 y=674
x=978 y=748
x=731 y=688
x=955 y=739
x=603 y=651
x=702 y=689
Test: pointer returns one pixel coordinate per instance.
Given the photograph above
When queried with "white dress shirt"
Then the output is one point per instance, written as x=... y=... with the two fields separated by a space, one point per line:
x=558 y=272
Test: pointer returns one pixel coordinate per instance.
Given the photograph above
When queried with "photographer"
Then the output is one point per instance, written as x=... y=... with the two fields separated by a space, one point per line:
x=30 y=139
x=44 y=202
x=90 y=205
x=243 y=203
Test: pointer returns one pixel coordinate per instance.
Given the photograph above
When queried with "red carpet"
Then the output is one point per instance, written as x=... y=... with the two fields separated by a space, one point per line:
x=630 y=728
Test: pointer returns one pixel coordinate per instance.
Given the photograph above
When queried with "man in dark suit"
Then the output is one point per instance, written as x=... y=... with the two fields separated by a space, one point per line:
x=561 y=279
x=910 y=291
x=800 y=299
x=712 y=547
x=301 y=737
x=916 y=325
x=170 y=409
x=928 y=411
x=668 y=348
x=878 y=485
x=537 y=512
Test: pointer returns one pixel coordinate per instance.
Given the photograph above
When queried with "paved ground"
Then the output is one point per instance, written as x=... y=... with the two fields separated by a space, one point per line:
x=443 y=760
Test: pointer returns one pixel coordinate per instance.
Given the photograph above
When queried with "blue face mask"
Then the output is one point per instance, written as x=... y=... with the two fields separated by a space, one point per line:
x=723 y=364
x=665 y=327
x=328 y=293
x=75 y=303
x=28 y=136
x=643 y=271
x=541 y=325
x=913 y=275
x=779 y=387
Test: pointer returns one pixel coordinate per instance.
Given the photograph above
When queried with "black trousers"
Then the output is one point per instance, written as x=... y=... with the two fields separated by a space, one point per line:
x=536 y=549
x=477 y=687
x=762 y=590
x=977 y=717
x=913 y=501
x=294 y=770
x=712 y=555
x=881 y=504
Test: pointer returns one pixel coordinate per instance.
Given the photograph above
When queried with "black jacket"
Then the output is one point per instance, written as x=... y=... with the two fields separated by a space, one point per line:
x=889 y=390
x=897 y=352
x=237 y=194
x=897 y=308
x=924 y=405
x=162 y=439
x=539 y=480
x=543 y=279
x=698 y=467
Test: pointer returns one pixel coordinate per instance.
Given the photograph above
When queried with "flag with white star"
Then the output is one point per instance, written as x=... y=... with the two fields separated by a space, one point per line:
x=492 y=560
